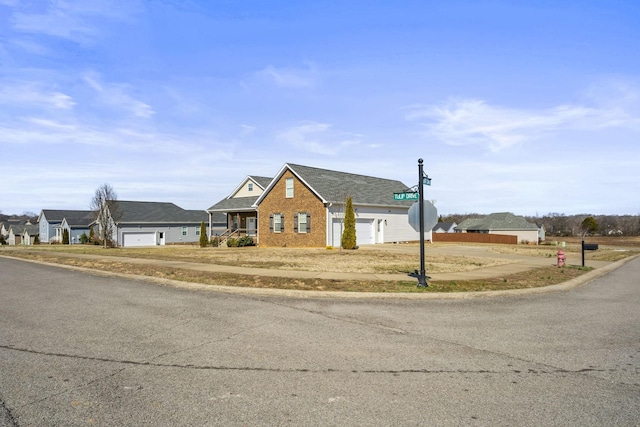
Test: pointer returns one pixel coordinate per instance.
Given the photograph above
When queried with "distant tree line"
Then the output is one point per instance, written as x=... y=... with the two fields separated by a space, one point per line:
x=33 y=217
x=561 y=225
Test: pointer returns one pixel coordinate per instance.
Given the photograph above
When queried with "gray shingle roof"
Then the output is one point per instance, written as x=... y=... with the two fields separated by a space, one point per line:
x=18 y=229
x=80 y=218
x=443 y=225
x=54 y=215
x=234 y=204
x=497 y=221
x=334 y=186
x=157 y=212
x=262 y=181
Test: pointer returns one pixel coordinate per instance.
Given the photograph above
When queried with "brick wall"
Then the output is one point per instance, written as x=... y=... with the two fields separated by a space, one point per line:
x=303 y=200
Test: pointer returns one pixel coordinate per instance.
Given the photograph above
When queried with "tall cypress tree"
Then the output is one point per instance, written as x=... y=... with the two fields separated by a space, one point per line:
x=349 y=232
x=203 y=235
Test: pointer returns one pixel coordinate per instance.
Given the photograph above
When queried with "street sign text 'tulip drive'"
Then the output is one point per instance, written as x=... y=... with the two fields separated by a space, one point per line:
x=406 y=196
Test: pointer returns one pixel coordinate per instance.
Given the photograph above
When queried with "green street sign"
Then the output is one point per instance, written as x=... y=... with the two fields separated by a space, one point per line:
x=406 y=196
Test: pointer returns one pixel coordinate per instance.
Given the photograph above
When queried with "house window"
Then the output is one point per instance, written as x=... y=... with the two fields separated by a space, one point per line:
x=289 y=188
x=302 y=222
x=276 y=223
x=185 y=231
x=197 y=231
x=250 y=186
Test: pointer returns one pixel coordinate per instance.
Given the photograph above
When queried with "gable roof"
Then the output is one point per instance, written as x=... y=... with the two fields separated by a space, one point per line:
x=334 y=186
x=19 y=229
x=262 y=181
x=235 y=204
x=56 y=216
x=444 y=226
x=79 y=219
x=31 y=230
x=497 y=221
x=245 y=203
x=132 y=212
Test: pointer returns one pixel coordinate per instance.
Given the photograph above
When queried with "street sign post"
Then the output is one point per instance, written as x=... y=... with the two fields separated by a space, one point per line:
x=425 y=210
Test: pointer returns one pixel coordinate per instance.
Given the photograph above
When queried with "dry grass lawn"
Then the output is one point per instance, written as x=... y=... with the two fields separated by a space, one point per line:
x=371 y=259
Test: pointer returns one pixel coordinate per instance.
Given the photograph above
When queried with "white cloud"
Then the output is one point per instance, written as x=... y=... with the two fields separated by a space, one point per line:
x=34 y=94
x=475 y=122
x=116 y=95
x=247 y=130
x=290 y=78
x=318 y=138
x=75 y=20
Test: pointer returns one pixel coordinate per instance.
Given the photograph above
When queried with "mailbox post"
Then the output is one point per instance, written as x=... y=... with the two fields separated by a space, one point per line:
x=588 y=247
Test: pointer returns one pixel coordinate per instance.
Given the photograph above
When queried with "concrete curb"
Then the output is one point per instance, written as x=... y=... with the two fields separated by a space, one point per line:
x=561 y=287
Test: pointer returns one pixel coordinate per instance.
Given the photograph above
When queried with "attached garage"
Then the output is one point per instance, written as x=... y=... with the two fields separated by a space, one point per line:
x=139 y=239
x=364 y=231
x=336 y=233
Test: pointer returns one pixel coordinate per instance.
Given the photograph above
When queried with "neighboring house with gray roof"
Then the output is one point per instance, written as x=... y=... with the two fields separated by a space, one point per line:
x=156 y=223
x=304 y=206
x=504 y=223
x=50 y=223
x=77 y=224
x=444 y=227
x=29 y=235
x=238 y=208
x=17 y=233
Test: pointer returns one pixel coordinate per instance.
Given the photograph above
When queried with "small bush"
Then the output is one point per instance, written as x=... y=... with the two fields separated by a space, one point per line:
x=245 y=241
x=84 y=239
x=240 y=242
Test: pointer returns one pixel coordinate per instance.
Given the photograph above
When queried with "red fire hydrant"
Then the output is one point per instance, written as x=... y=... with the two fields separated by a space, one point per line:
x=561 y=258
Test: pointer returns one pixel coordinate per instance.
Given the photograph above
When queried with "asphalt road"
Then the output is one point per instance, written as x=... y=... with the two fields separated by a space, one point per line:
x=79 y=349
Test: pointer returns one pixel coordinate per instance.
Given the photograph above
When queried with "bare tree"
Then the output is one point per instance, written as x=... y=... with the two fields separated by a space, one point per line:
x=104 y=204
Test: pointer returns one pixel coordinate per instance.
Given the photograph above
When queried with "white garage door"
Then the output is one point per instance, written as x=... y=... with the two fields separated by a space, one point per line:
x=139 y=239
x=364 y=231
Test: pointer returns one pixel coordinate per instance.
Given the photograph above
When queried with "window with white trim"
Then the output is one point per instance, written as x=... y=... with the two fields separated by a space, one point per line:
x=250 y=186
x=185 y=231
x=302 y=222
x=289 y=188
x=276 y=223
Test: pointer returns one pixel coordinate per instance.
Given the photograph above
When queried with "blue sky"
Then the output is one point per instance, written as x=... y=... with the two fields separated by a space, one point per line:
x=529 y=107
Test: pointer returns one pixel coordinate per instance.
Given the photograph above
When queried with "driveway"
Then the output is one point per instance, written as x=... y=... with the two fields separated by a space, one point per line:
x=80 y=349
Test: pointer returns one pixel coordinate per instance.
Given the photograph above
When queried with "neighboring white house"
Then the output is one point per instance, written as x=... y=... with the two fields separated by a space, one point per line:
x=29 y=235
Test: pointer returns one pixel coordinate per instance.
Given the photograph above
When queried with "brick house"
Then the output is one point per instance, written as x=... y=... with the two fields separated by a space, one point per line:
x=303 y=206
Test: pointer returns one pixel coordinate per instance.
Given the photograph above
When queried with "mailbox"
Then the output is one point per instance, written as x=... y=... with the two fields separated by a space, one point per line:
x=590 y=246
